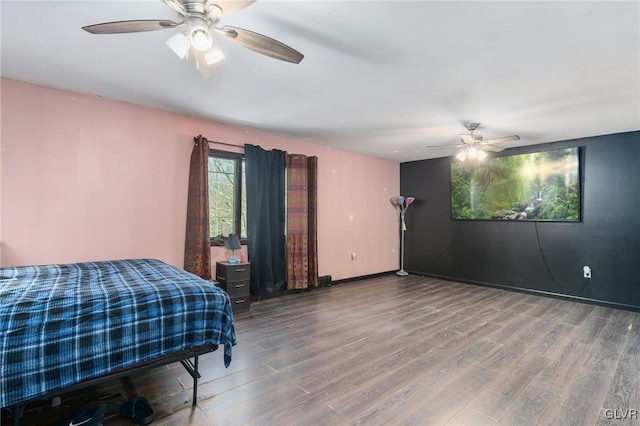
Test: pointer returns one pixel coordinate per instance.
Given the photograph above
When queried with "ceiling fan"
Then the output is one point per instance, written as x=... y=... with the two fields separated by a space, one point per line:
x=474 y=147
x=198 y=20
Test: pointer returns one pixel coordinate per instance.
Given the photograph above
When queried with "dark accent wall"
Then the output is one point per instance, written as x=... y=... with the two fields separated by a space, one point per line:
x=512 y=254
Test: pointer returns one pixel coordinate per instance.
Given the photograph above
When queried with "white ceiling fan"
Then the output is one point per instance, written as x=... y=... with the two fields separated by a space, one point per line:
x=198 y=20
x=474 y=146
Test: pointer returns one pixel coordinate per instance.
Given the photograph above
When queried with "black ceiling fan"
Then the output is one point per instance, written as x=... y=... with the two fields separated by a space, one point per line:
x=198 y=20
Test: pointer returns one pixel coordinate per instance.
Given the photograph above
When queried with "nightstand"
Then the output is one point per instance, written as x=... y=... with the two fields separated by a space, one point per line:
x=234 y=279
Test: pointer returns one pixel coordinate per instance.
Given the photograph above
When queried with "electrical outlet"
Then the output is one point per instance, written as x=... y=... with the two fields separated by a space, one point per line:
x=586 y=270
x=353 y=255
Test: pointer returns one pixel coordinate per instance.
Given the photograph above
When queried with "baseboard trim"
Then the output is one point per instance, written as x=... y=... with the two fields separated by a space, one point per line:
x=285 y=291
x=535 y=292
x=362 y=277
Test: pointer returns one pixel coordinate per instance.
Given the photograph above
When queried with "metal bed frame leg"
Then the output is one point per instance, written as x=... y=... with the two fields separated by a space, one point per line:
x=17 y=411
x=192 y=369
x=194 y=402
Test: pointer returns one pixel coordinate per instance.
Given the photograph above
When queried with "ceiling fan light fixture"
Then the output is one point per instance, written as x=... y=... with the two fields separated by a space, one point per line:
x=472 y=152
x=213 y=55
x=474 y=147
x=179 y=44
x=199 y=35
x=201 y=39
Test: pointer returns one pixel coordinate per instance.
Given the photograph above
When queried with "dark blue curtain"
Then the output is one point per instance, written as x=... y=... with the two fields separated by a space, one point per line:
x=265 y=174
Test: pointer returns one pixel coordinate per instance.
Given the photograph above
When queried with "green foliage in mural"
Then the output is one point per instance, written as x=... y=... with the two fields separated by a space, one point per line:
x=537 y=186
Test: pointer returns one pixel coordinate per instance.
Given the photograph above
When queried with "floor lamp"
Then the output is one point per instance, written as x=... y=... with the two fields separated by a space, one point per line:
x=401 y=204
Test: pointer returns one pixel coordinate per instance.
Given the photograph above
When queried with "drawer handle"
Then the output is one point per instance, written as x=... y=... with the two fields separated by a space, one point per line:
x=239 y=301
x=239 y=285
x=241 y=270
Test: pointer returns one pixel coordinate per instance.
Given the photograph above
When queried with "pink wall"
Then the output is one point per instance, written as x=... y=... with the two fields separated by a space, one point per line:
x=83 y=178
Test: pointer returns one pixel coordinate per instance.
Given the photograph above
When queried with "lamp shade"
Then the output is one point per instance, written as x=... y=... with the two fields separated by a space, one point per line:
x=233 y=242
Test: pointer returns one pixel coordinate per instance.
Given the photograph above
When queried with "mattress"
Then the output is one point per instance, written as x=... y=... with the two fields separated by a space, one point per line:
x=64 y=324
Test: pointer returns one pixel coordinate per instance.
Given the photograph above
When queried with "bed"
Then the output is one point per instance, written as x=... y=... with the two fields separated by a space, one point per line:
x=69 y=325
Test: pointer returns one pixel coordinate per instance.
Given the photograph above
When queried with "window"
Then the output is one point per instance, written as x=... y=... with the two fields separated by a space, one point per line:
x=227 y=196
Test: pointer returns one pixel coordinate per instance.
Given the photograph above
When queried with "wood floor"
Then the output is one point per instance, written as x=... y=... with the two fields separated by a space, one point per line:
x=405 y=351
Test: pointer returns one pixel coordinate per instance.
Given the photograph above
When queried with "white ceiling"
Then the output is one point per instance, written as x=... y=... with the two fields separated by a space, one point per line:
x=385 y=78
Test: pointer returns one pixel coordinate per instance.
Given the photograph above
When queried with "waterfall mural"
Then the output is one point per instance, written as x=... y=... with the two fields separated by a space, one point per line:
x=541 y=185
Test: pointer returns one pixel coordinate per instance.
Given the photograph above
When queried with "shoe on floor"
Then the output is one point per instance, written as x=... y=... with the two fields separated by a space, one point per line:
x=86 y=416
x=139 y=410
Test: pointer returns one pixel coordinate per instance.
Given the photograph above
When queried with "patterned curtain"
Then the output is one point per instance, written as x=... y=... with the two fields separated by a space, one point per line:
x=197 y=248
x=302 y=224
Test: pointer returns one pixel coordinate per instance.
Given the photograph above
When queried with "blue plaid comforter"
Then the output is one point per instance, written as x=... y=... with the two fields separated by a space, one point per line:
x=63 y=324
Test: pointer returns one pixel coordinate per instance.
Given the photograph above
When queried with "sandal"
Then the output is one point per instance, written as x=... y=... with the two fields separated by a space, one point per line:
x=139 y=410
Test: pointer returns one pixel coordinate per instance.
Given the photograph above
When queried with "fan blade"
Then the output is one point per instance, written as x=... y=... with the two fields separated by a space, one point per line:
x=176 y=5
x=232 y=6
x=466 y=138
x=491 y=148
x=504 y=139
x=120 y=27
x=261 y=44
x=448 y=146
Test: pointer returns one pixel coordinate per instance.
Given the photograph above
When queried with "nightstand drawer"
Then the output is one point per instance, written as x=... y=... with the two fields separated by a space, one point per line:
x=232 y=273
x=237 y=289
x=234 y=279
x=240 y=304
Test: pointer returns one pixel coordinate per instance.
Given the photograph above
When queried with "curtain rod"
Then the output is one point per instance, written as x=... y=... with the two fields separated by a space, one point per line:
x=225 y=143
